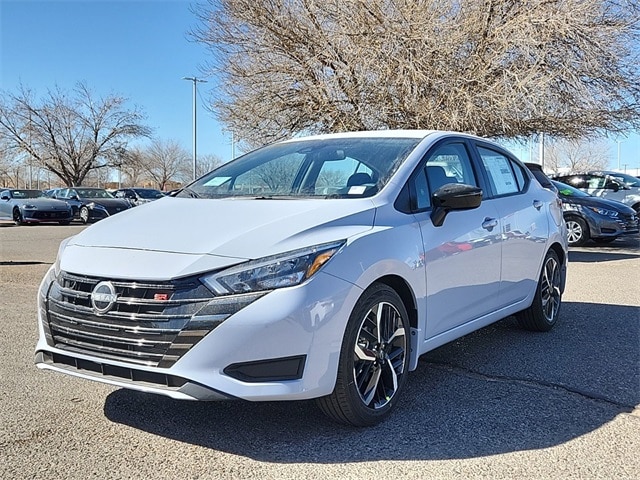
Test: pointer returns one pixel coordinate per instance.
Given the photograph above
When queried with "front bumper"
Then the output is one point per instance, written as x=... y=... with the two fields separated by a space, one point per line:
x=601 y=226
x=283 y=346
x=46 y=216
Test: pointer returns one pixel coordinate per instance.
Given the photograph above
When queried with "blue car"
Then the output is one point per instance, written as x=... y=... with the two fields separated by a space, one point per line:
x=31 y=206
x=588 y=217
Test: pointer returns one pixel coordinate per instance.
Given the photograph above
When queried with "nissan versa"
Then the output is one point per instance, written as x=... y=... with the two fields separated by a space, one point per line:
x=318 y=267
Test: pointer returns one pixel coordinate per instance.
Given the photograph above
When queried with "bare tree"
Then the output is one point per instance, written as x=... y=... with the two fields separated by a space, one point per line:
x=69 y=135
x=500 y=68
x=206 y=163
x=164 y=161
x=577 y=155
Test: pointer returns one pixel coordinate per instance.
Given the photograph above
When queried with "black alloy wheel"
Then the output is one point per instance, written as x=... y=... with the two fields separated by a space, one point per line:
x=374 y=360
x=542 y=315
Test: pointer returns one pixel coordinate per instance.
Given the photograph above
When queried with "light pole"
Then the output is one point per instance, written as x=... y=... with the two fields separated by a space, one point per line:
x=619 y=142
x=195 y=81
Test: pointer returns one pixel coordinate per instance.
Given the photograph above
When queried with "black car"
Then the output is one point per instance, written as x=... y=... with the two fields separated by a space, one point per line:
x=588 y=217
x=138 y=196
x=91 y=204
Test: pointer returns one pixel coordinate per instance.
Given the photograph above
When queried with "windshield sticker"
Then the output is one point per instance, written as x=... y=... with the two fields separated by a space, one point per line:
x=357 y=190
x=216 y=181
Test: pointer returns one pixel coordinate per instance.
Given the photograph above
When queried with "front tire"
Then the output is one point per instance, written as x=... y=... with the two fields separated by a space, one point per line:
x=542 y=315
x=374 y=360
x=84 y=215
x=577 y=232
x=17 y=217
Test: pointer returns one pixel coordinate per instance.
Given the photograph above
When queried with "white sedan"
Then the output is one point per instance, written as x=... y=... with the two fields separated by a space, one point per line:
x=318 y=267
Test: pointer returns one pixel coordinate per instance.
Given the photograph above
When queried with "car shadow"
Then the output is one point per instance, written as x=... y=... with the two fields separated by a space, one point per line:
x=498 y=390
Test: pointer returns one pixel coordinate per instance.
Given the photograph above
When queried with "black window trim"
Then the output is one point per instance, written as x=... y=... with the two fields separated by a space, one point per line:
x=491 y=194
x=406 y=200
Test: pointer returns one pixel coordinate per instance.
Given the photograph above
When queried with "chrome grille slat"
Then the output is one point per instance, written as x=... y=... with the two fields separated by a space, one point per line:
x=109 y=326
x=111 y=338
x=123 y=316
x=137 y=328
x=114 y=351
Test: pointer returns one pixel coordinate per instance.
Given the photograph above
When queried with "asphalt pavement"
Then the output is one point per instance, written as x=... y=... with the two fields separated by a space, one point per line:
x=499 y=403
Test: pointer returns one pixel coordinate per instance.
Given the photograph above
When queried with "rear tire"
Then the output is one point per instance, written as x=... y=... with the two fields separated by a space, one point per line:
x=373 y=362
x=542 y=315
x=577 y=231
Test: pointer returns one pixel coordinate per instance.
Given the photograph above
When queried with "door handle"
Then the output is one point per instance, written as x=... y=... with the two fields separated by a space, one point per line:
x=537 y=204
x=489 y=223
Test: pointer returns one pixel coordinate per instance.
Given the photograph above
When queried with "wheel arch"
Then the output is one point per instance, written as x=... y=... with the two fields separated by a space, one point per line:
x=563 y=258
x=407 y=295
x=405 y=292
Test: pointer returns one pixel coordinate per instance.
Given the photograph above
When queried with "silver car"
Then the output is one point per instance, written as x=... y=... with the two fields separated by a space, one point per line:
x=315 y=268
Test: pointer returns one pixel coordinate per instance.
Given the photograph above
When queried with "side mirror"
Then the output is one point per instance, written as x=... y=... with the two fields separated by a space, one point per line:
x=5 y=196
x=74 y=197
x=612 y=186
x=452 y=197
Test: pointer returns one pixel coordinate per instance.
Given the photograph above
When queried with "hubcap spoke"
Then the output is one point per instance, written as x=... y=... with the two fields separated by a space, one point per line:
x=379 y=355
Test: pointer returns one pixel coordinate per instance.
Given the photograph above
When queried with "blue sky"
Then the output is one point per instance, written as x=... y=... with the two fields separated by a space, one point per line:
x=141 y=50
x=138 y=49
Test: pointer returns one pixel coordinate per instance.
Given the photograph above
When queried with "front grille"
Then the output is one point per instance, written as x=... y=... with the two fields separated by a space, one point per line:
x=51 y=214
x=147 y=324
x=114 y=210
x=629 y=223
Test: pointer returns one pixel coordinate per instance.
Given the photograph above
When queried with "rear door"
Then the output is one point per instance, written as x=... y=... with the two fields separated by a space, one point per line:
x=522 y=207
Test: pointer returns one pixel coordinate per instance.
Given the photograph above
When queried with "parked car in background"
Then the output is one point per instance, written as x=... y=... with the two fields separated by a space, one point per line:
x=606 y=184
x=310 y=268
x=91 y=204
x=588 y=217
x=138 y=196
x=31 y=206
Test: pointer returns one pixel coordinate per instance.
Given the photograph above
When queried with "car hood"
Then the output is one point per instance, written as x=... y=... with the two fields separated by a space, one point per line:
x=40 y=202
x=598 y=202
x=107 y=202
x=202 y=235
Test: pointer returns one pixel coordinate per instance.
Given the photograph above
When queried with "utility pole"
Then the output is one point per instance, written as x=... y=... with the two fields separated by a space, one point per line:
x=541 y=146
x=195 y=91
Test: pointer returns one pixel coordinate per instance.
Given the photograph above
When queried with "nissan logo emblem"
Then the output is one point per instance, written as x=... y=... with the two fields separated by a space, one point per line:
x=103 y=297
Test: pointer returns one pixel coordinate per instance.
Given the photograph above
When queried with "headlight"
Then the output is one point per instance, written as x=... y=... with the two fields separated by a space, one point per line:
x=278 y=271
x=604 y=211
x=91 y=205
x=30 y=207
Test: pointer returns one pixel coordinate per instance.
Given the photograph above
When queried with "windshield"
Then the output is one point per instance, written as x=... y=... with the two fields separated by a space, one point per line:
x=327 y=168
x=628 y=180
x=569 y=191
x=94 y=193
x=26 y=193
